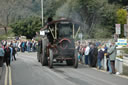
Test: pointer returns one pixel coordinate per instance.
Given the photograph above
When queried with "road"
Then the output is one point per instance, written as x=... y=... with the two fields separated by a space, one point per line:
x=27 y=71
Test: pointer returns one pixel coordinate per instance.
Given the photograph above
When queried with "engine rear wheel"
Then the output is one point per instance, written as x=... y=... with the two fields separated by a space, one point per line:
x=38 y=51
x=44 y=60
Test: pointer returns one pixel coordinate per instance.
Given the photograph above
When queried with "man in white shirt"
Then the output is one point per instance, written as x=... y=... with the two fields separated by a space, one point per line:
x=87 y=50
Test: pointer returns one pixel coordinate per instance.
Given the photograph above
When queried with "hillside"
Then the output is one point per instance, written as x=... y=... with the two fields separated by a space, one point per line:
x=96 y=16
x=2 y=31
x=13 y=10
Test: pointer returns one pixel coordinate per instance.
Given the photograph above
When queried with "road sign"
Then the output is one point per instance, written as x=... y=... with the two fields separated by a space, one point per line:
x=122 y=42
x=125 y=30
x=118 y=29
x=80 y=35
x=42 y=32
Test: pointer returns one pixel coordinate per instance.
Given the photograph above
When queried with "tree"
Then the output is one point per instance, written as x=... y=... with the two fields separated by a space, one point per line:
x=122 y=2
x=6 y=11
x=121 y=16
x=27 y=27
x=90 y=13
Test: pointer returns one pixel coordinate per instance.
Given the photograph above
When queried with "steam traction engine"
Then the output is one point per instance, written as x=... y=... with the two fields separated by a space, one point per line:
x=58 y=43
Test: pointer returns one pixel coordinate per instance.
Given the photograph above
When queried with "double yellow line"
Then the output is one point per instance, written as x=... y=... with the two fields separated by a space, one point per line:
x=8 y=75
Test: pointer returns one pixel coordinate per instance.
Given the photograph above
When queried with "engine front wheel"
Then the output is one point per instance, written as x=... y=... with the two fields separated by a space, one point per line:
x=50 y=58
x=44 y=60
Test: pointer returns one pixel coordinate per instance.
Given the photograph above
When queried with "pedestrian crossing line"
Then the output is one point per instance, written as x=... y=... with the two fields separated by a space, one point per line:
x=10 y=76
x=6 y=76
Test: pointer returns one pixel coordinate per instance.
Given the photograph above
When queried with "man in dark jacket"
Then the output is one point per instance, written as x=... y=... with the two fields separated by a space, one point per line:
x=13 y=53
x=93 y=55
x=7 y=55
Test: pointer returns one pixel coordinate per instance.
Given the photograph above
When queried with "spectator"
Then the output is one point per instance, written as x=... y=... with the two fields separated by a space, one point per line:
x=90 y=57
x=112 y=56
x=1 y=55
x=87 y=54
x=7 y=55
x=78 y=48
x=84 y=49
x=30 y=46
x=81 y=53
x=100 y=56
x=107 y=57
x=11 y=48
x=4 y=43
x=25 y=46
x=19 y=47
x=13 y=54
x=22 y=46
x=94 y=57
x=33 y=46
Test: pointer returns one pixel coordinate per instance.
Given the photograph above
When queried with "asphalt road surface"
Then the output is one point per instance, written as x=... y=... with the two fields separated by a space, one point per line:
x=28 y=71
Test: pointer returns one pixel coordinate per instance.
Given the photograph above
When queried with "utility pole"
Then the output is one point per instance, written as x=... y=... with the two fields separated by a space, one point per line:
x=42 y=12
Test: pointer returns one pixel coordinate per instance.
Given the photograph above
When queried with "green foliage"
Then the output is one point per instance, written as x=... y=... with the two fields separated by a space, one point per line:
x=50 y=7
x=14 y=10
x=121 y=16
x=27 y=27
x=122 y=2
x=89 y=12
x=102 y=33
x=125 y=50
x=109 y=17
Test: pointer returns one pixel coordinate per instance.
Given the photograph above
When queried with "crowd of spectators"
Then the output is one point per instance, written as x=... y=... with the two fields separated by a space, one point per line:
x=8 y=49
x=93 y=53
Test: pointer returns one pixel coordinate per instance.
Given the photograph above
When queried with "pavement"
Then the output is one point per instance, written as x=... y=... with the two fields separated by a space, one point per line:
x=28 y=71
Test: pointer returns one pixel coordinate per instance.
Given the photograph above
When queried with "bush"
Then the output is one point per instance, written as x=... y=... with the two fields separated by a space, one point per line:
x=27 y=27
x=125 y=50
